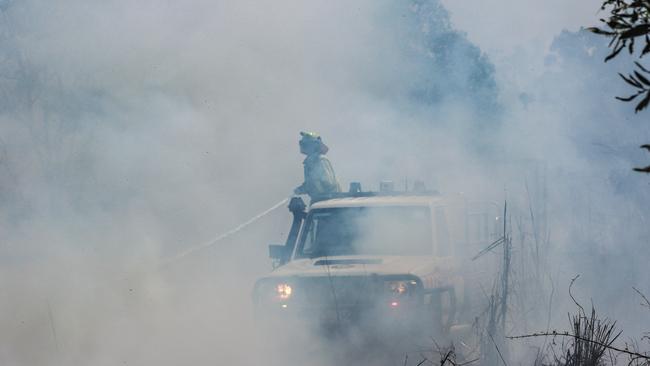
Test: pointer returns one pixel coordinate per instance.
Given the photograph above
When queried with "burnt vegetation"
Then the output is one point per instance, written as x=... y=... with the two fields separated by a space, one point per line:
x=591 y=341
x=499 y=331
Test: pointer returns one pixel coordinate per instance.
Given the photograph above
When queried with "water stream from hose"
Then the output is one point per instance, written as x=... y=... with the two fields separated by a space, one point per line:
x=222 y=236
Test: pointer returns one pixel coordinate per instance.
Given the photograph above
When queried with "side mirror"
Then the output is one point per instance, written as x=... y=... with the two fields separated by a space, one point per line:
x=278 y=252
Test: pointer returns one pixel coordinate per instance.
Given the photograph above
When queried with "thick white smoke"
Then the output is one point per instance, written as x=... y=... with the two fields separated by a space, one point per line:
x=131 y=131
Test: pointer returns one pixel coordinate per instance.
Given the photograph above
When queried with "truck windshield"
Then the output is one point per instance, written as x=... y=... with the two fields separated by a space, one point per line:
x=366 y=231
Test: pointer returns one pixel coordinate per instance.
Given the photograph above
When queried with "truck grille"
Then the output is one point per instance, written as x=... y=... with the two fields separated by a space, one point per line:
x=341 y=291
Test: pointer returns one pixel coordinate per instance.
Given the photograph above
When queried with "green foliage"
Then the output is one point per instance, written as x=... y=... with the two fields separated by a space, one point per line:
x=628 y=24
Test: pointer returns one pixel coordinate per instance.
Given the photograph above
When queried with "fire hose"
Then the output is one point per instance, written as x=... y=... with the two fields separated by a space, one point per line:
x=223 y=236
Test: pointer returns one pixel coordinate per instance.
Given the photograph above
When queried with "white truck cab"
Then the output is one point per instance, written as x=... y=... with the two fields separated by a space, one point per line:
x=374 y=260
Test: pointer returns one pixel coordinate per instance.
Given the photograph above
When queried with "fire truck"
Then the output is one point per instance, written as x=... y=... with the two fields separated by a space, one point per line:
x=388 y=261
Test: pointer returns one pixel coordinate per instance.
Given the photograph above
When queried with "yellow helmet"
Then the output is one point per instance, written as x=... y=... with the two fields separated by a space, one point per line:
x=309 y=135
x=311 y=142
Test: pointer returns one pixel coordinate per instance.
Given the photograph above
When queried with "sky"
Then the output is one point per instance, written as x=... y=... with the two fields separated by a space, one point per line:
x=499 y=27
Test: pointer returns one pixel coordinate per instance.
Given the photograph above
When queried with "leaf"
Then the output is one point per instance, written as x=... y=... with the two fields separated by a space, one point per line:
x=599 y=31
x=628 y=99
x=630 y=48
x=624 y=15
x=642 y=78
x=639 y=4
x=615 y=52
x=621 y=20
x=631 y=81
x=644 y=103
x=614 y=39
x=639 y=30
x=646 y=49
x=641 y=67
x=618 y=19
x=612 y=23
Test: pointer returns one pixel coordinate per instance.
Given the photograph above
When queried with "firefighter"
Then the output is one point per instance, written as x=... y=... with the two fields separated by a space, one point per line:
x=320 y=180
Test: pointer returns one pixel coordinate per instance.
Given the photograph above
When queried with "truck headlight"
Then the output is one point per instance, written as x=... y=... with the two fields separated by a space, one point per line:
x=283 y=291
x=401 y=287
x=398 y=288
x=400 y=291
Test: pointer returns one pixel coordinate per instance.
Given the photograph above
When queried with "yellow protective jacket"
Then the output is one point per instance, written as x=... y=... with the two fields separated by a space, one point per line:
x=320 y=179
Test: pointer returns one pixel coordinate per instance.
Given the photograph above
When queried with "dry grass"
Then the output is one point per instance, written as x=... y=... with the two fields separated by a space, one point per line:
x=589 y=343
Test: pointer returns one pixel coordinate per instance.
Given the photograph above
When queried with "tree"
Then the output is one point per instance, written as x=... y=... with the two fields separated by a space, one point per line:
x=628 y=24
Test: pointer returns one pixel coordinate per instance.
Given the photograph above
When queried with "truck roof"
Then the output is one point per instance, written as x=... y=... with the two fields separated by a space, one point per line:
x=380 y=200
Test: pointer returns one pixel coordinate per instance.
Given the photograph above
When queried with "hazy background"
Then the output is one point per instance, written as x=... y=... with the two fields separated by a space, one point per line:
x=131 y=131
